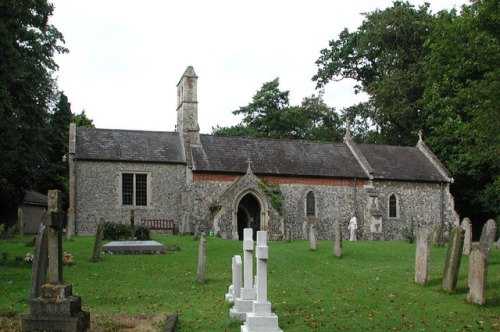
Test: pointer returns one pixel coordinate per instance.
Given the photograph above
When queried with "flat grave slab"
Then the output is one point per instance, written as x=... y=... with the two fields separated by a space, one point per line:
x=133 y=247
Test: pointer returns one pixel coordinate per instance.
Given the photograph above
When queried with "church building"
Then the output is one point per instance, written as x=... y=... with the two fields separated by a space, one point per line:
x=225 y=184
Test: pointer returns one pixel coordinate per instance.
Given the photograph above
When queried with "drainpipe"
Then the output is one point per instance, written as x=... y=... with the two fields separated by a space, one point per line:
x=441 y=216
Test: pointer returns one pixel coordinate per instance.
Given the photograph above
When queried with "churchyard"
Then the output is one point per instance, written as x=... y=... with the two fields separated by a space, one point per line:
x=371 y=286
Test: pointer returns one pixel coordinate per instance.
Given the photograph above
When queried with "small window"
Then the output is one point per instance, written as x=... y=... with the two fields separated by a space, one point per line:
x=134 y=189
x=393 y=206
x=310 y=204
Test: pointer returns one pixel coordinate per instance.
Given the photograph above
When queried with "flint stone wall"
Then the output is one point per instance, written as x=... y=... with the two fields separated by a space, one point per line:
x=98 y=193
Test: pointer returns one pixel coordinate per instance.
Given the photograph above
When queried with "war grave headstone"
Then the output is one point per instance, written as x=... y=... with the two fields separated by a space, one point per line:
x=235 y=288
x=98 y=241
x=55 y=309
x=313 y=243
x=243 y=304
x=488 y=236
x=337 y=239
x=467 y=227
x=261 y=318
x=202 y=248
x=478 y=271
x=423 y=255
x=453 y=259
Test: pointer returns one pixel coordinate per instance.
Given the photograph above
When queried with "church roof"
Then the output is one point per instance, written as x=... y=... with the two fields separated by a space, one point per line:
x=403 y=163
x=275 y=157
x=129 y=145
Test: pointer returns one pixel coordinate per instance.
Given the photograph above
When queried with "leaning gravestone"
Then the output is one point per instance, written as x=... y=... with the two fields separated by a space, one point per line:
x=261 y=318
x=202 y=258
x=313 y=243
x=488 y=236
x=423 y=256
x=98 y=241
x=453 y=258
x=467 y=227
x=478 y=271
x=243 y=304
x=337 y=239
x=56 y=309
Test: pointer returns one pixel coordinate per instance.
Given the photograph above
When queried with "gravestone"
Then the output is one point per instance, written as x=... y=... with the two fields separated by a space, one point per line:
x=133 y=247
x=498 y=243
x=467 y=227
x=288 y=234
x=243 y=304
x=478 y=270
x=313 y=243
x=337 y=239
x=235 y=288
x=98 y=240
x=40 y=262
x=423 y=256
x=261 y=318
x=488 y=236
x=437 y=238
x=55 y=309
x=453 y=258
x=20 y=221
x=202 y=249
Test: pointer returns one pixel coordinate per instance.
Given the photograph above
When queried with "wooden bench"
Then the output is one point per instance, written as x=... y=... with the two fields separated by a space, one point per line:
x=160 y=225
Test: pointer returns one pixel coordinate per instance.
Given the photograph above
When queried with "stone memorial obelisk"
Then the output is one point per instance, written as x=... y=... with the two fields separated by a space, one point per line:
x=261 y=318
x=55 y=309
x=243 y=304
x=235 y=288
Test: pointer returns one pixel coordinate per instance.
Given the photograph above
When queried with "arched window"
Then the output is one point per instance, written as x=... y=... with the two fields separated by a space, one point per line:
x=310 y=204
x=393 y=206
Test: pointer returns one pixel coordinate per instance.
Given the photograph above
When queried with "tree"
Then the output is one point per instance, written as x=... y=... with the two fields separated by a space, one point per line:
x=27 y=89
x=81 y=120
x=462 y=97
x=385 y=56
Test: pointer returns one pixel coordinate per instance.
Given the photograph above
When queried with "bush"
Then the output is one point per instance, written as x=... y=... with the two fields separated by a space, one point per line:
x=142 y=233
x=408 y=233
x=114 y=231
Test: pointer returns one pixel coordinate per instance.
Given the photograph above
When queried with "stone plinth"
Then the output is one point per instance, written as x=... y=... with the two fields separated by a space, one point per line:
x=243 y=304
x=134 y=247
x=478 y=271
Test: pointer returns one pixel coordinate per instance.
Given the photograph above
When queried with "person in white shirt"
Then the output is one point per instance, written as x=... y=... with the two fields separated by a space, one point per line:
x=353 y=226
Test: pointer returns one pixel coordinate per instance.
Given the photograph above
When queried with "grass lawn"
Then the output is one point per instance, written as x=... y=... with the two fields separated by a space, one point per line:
x=370 y=288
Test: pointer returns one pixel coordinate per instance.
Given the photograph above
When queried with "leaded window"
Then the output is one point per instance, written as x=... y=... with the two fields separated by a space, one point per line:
x=134 y=189
x=310 y=204
x=393 y=206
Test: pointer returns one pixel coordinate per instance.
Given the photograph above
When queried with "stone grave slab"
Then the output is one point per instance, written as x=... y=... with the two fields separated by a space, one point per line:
x=133 y=247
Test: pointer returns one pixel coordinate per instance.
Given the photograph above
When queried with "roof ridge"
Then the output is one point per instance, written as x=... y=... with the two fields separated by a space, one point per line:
x=275 y=139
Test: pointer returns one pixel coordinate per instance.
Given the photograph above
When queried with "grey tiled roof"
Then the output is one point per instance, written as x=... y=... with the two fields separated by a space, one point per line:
x=400 y=163
x=275 y=157
x=128 y=145
x=35 y=198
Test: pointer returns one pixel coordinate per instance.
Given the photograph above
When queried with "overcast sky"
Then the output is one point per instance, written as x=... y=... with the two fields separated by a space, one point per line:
x=126 y=57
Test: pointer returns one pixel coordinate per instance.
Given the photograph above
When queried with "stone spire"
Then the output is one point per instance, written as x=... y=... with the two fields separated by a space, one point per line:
x=187 y=111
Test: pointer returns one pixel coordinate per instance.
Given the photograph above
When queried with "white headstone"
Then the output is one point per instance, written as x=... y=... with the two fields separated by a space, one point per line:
x=243 y=304
x=235 y=288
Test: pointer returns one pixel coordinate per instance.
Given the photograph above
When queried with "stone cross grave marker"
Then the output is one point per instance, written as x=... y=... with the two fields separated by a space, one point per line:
x=98 y=241
x=488 y=236
x=243 y=304
x=202 y=258
x=235 y=288
x=261 y=318
x=453 y=258
x=40 y=262
x=478 y=271
x=337 y=239
x=54 y=226
x=467 y=227
x=423 y=256
x=313 y=243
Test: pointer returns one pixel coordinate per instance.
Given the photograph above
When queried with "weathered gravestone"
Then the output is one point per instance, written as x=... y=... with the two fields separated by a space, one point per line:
x=235 y=288
x=288 y=234
x=437 y=238
x=337 y=239
x=202 y=258
x=453 y=258
x=56 y=309
x=423 y=256
x=488 y=236
x=498 y=243
x=98 y=241
x=467 y=227
x=313 y=243
x=243 y=304
x=478 y=271
x=20 y=221
x=40 y=262
x=261 y=318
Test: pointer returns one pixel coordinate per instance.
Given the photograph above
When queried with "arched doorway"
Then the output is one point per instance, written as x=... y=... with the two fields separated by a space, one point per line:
x=248 y=215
